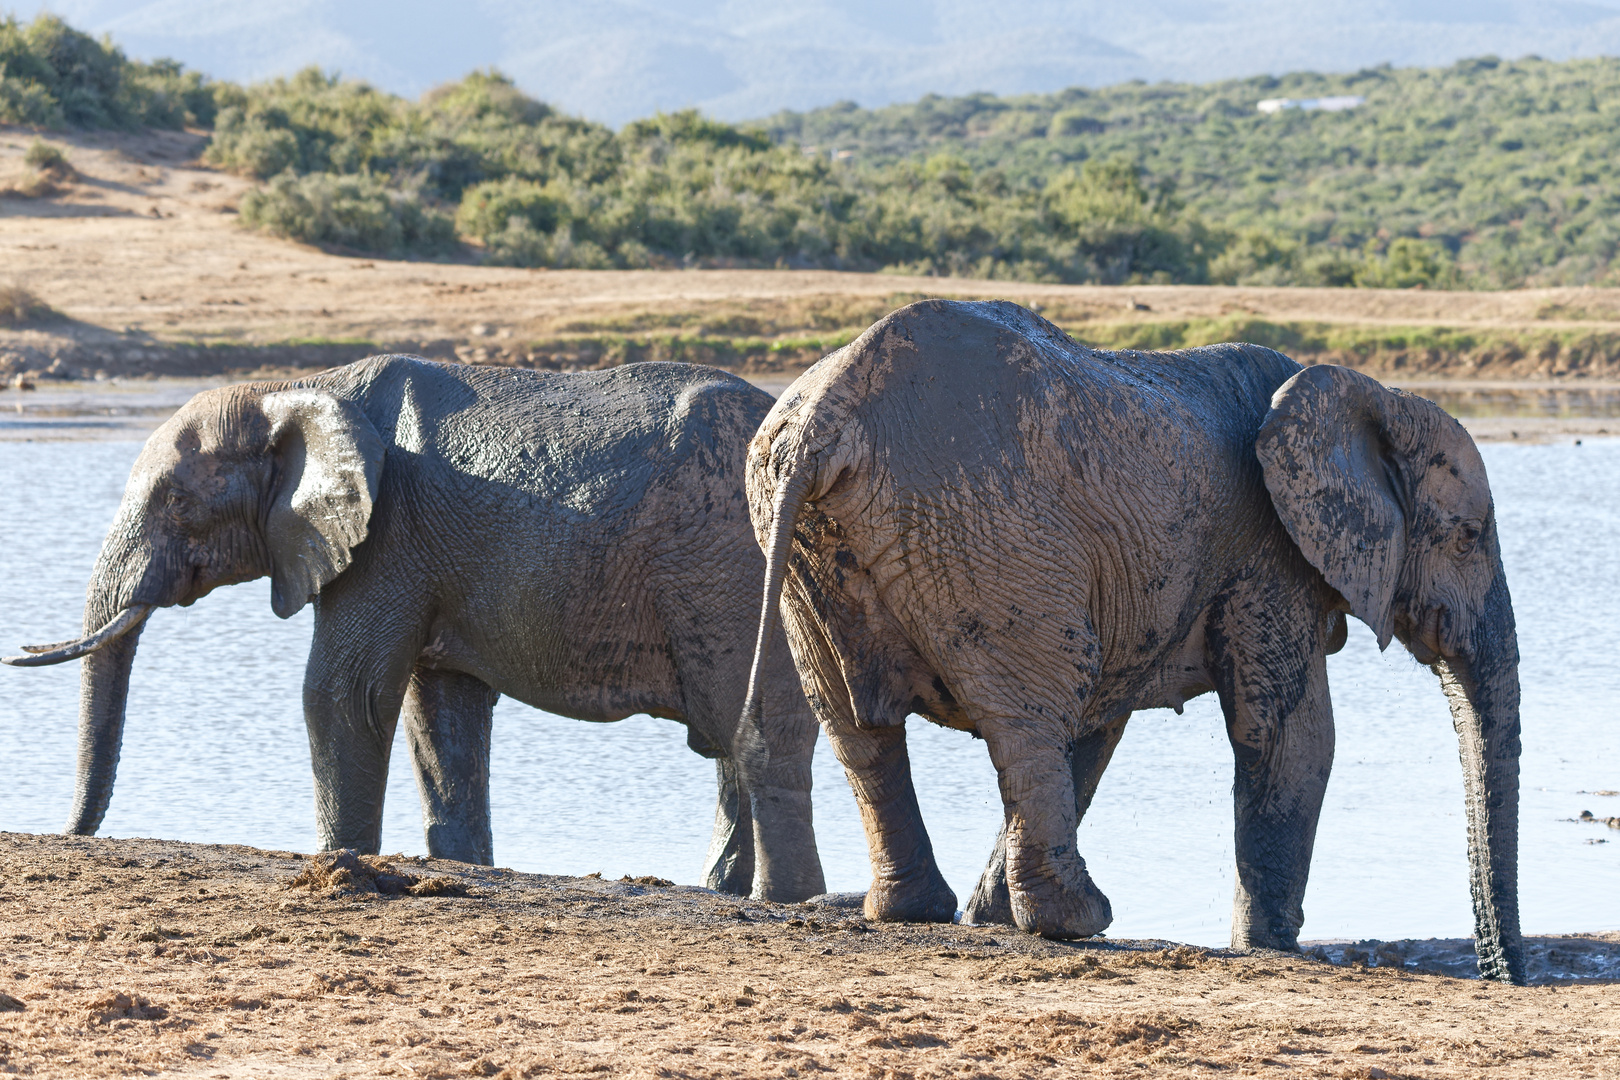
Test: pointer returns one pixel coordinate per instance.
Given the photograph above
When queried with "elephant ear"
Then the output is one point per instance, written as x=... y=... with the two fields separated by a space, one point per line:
x=1337 y=483
x=328 y=458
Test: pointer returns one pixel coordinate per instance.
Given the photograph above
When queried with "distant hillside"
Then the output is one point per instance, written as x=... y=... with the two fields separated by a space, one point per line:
x=1485 y=174
x=1506 y=170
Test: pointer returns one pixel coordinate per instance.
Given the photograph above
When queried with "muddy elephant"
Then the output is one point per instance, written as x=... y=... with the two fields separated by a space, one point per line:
x=970 y=516
x=578 y=542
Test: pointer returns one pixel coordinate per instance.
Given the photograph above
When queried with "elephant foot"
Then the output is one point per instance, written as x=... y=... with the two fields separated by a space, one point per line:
x=1254 y=937
x=729 y=879
x=924 y=899
x=991 y=902
x=460 y=844
x=1072 y=908
x=793 y=889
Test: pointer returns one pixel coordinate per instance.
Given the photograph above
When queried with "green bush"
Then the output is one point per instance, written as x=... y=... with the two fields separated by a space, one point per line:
x=313 y=122
x=358 y=213
x=487 y=209
x=1408 y=263
x=52 y=75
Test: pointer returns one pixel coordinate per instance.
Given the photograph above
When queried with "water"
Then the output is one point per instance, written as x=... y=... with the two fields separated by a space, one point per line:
x=215 y=749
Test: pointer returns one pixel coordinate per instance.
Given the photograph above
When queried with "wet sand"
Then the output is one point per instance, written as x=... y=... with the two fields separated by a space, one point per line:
x=140 y=957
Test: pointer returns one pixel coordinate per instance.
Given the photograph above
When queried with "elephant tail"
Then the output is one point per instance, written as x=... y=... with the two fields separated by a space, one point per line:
x=785 y=509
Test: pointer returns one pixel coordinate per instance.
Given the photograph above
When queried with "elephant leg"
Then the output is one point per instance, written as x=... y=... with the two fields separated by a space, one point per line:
x=448 y=716
x=1088 y=758
x=354 y=688
x=1050 y=892
x=730 y=864
x=906 y=883
x=1280 y=723
x=787 y=864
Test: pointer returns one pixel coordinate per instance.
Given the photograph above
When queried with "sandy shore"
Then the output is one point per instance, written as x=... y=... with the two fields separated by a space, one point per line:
x=140 y=957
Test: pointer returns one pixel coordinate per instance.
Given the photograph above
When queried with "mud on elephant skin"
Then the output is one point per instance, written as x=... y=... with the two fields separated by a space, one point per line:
x=968 y=515
x=578 y=542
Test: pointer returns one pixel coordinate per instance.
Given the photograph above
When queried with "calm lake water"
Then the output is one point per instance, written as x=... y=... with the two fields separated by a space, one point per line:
x=215 y=750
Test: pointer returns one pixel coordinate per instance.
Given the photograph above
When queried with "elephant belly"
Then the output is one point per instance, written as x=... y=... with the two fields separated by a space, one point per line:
x=600 y=673
x=1168 y=680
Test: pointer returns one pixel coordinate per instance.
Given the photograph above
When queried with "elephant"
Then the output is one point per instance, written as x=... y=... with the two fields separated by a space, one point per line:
x=580 y=542
x=970 y=516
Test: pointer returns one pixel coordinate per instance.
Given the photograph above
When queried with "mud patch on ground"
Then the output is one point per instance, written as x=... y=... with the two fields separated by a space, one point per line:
x=345 y=873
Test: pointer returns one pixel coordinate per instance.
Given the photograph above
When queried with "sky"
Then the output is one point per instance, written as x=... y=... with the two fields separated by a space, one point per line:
x=617 y=60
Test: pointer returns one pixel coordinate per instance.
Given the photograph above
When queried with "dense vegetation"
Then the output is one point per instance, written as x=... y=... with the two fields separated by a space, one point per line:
x=1487 y=173
x=1484 y=174
x=51 y=75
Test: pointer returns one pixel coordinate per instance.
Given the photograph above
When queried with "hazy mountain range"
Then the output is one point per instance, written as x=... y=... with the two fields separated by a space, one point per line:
x=615 y=60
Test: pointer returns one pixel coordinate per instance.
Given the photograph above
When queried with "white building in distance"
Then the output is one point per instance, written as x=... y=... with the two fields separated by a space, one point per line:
x=1325 y=104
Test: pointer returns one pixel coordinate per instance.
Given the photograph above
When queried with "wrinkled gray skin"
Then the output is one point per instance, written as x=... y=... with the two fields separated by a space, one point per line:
x=578 y=542
x=979 y=520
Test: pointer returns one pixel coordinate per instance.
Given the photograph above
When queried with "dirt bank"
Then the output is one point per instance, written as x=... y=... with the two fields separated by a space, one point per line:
x=140 y=254
x=125 y=957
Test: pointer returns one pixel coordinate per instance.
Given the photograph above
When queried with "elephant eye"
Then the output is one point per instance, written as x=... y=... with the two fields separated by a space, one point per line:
x=1467 y=538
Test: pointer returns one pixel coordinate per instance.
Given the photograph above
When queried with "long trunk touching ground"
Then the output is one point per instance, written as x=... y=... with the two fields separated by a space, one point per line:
x=1483 y=691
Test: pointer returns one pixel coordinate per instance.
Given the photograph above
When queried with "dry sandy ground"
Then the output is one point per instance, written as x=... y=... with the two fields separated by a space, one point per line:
x=135 y=957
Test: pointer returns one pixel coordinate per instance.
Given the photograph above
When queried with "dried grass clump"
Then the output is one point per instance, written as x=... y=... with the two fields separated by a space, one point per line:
x=120 y=1006
x=48 y=173
x=49 y=159
x=345 y=872
x=19 y=307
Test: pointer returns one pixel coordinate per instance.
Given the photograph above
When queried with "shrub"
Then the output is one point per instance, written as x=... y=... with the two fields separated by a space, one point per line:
x=19 y=307
x=312 y=122
x=43 y=156
x=1406 y=263
x=489 y=208
x=358 y=213
x=52 y=75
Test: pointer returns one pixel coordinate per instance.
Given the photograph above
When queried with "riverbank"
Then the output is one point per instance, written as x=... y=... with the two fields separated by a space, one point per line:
x=139 y=257
x=128 y=409
x=126 y=957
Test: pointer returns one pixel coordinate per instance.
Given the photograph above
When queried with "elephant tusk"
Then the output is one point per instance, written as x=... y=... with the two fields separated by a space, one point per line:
x=44 y=655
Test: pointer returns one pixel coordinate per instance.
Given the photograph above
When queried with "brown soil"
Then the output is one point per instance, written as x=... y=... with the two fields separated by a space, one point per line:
x=125 y=957
x=138 y=248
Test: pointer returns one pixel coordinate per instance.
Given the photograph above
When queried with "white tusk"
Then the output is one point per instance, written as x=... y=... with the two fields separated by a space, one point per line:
x=121 y=624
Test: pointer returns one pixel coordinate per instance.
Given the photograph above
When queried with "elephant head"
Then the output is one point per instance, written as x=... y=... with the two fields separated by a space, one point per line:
x=241 y=482
x=1387 y=497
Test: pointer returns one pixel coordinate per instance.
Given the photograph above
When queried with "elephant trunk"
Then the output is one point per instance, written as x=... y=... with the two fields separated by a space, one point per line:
x=119 y=578
x=1482 y=687
x=103 y=693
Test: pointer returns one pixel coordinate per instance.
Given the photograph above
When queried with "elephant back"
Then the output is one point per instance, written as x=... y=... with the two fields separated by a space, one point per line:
x=589 y=445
